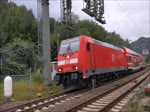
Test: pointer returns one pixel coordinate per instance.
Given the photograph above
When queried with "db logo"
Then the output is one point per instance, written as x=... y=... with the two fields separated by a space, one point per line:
x=67 y=61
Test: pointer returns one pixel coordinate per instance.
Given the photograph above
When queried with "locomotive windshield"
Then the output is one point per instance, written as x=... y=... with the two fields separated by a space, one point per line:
x=69 y=46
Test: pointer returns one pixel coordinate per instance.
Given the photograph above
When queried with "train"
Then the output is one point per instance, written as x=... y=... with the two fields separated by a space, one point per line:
x=83 y=58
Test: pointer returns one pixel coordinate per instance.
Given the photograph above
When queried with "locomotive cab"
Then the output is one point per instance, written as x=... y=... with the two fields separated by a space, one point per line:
x=68 y=64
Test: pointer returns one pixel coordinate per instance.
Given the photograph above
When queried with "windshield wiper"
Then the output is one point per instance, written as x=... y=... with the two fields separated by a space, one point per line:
x=69 y=48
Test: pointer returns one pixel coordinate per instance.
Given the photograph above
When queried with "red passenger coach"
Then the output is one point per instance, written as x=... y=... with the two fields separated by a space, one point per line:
x=83 y=58
x=134 y=61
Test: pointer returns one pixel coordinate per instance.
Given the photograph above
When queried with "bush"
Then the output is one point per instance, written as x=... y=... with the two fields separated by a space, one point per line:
x=37 y=79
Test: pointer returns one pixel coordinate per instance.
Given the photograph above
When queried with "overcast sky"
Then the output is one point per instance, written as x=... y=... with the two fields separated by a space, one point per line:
x=129 y=18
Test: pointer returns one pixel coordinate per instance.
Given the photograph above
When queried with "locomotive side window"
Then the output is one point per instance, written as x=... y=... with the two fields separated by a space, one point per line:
x=130 y=59
x=88 y=46
x=140 y=60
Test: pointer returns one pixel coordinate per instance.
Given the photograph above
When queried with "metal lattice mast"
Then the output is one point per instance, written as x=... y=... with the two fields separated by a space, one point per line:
x=66 y=11
x=66 y=15
x=95 y=8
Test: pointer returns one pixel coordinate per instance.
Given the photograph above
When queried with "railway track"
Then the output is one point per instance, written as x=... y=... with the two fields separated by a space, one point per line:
x=88 y=98
x=21 y=106
x=79 y=101
x=105 y=103
x=42 y=102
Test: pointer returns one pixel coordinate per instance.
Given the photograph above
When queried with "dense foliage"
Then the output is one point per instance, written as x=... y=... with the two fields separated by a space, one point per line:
x=18 y=37
x=18 y=33
x=18 y=57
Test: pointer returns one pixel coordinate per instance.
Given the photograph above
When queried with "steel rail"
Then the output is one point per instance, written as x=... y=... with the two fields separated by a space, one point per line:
x=80 y=106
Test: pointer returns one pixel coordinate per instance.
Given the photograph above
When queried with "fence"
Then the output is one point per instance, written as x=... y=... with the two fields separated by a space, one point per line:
x=20 y=83
x=24 y=88
x=15 y=77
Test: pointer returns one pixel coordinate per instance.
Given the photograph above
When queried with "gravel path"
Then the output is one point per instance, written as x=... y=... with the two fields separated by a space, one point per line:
x=12 y=104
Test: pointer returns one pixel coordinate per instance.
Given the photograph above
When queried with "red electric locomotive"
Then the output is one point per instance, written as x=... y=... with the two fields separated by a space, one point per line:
x=82 y=58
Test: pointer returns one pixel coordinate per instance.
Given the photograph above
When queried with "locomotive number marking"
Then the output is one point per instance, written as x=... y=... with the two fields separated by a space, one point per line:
x=67 y=61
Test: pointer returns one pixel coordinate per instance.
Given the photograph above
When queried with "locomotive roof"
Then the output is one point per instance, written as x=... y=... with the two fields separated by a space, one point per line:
x=127 y=50
x=106 y=44
x=71 y=39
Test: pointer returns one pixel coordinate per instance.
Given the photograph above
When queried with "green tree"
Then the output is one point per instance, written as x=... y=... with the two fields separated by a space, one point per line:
x=17 y=22
x=19 y=55
x=18 y=33
x=52 y=25
x=92 y=29
x=127 y=44
x=116 y=40
x=3 y=4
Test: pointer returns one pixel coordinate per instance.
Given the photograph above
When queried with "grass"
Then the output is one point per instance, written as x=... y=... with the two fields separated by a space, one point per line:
x=136 y=108
x=21 y=89
x=141 y=95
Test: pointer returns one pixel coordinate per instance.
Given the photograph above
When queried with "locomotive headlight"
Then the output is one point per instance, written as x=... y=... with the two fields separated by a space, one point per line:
x=59 y=70
x=75 y=68
x=68 y=56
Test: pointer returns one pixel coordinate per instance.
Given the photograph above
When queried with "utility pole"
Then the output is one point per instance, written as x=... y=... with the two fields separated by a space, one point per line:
x=46 y=43
x=58 y=42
